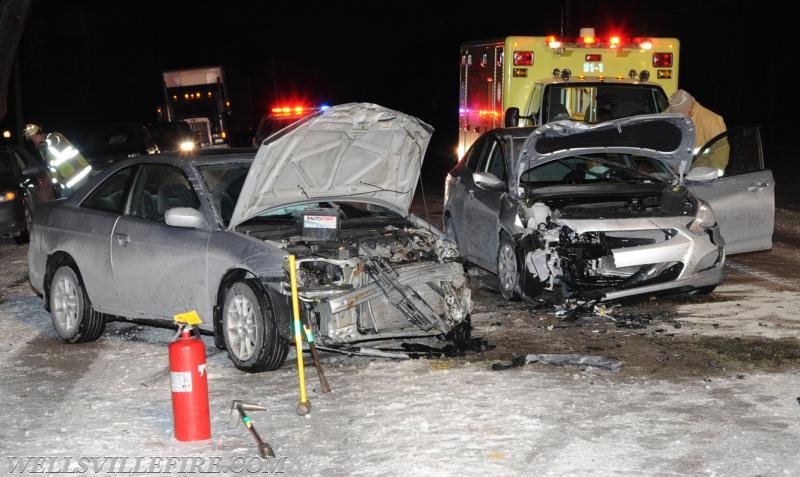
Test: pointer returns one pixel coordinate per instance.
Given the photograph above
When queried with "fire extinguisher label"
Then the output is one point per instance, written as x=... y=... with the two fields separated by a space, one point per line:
x=181 y=381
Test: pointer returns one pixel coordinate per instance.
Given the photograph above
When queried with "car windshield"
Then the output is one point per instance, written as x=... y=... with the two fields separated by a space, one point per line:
x=224 y=183
x=7 y=163
x=598 y=168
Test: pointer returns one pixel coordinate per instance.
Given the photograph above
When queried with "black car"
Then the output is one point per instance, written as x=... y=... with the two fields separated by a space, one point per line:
x=110 y=143
x=174 y=136
x=24 y=183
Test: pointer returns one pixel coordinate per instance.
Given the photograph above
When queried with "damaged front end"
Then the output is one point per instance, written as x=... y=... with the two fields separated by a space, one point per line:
x=401 y=282
x=596 y=248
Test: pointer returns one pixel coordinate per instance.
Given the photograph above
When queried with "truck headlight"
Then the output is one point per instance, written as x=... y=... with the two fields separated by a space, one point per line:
x=187 y=146
x=704 y=219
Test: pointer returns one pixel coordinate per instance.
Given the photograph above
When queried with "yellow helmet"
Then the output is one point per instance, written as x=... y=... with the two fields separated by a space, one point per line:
x=30 y=130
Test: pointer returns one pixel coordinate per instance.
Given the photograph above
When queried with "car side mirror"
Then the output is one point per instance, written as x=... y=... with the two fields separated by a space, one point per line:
x=31 y=171
x=185 y=217
x=488 y=181
x=702 y=174
x=512 y=117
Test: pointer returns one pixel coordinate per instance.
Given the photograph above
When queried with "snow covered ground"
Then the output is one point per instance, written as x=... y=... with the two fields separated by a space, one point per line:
x=416 y=417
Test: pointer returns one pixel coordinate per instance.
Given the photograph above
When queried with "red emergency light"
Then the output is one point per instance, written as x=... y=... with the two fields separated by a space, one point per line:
x=523 y=58
x=614 y=41
x=662 y=60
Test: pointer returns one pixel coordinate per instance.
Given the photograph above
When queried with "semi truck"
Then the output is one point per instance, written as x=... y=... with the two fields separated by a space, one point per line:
x=532 y=80
x=199 y=97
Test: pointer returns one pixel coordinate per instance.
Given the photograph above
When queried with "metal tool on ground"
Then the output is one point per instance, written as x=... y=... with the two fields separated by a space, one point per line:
x=264 y=449
x=189 y=381
x=304 y=406
x=323 y=381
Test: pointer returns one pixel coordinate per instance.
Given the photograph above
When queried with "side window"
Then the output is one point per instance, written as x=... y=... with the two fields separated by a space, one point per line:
x=495 y=163
x=110 y=195
x=474 y=154
x=734 y=152
x=159 y=188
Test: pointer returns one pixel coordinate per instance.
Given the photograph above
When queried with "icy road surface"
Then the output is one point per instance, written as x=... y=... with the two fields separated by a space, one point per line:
x=422 y=417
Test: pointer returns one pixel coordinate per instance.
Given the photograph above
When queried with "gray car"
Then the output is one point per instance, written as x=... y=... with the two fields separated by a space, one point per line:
x=156 y=236
x=604 y=212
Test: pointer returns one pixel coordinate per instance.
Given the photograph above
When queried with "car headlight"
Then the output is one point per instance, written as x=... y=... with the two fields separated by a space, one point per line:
x=187 y=146
x=7 y=197
x=704 y=219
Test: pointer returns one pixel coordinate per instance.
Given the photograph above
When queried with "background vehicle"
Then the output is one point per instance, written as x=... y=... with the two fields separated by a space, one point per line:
x=279 y=117
x=548 y=78
x=597 y=211
x=110 y=143
x=153 y=237
x=24 y=183
x=173 y=136
x=198 y=96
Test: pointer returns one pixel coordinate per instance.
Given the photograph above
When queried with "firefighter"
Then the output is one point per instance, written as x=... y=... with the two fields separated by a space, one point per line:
x=33 y=133
x=67 y=166
x=707 y=125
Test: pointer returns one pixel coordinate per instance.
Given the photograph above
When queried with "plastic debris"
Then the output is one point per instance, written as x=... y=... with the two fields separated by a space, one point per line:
x=562 y=359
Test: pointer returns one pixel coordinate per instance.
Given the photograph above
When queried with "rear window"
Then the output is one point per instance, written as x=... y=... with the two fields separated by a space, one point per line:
x=602 y=102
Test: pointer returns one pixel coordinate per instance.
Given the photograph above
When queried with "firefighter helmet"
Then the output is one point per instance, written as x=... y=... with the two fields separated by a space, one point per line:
x=30 y=130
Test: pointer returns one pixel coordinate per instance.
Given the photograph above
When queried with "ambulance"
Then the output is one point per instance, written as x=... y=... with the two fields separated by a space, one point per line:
x=533 y=80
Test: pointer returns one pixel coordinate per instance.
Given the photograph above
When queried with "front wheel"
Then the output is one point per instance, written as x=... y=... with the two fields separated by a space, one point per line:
x=507 y=270
x=249 y=329
x=73 y=317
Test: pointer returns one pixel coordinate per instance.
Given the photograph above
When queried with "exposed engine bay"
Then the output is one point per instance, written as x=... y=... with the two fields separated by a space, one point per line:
x=588 y=246
x=372 y=283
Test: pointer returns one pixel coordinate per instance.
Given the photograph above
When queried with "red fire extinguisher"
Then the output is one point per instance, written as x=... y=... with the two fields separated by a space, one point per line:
x=189 y=382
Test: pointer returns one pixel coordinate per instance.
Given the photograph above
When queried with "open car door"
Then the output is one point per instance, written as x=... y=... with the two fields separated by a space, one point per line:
x=743 y=196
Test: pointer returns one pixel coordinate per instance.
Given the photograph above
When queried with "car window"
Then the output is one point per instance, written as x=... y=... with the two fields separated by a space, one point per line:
x=224 y=183
x=734 y=152
x=110 y=195
x=160 y=187
x=7 y=163
x=496 y=163
x=473 y=155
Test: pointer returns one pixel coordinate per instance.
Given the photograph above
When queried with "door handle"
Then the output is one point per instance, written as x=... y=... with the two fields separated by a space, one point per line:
x=757 y=186
x=123 y=239
x=471 y=193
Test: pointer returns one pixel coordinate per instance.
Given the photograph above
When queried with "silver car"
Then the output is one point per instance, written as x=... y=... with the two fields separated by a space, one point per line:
x=605 y=212
x=156 y=236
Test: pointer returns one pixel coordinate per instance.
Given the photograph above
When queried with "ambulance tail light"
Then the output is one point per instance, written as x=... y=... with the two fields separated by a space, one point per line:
x=523 y=58
x=593 y=58
x=662 y=60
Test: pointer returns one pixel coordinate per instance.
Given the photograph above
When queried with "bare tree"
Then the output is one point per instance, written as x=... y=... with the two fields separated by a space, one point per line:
x=13 y=14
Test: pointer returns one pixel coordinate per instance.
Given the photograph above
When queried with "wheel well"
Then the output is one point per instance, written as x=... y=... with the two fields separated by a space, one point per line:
x=231 y=277
x=54 y=262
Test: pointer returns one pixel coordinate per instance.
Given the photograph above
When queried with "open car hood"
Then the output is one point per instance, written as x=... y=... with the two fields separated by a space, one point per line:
x=356 y=151
x=668 y=137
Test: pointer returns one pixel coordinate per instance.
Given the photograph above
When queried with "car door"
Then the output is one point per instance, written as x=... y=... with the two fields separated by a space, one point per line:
x=92 y=224
x=456 y=194
x=482 y=206
x=743 y=196
x=159 y=269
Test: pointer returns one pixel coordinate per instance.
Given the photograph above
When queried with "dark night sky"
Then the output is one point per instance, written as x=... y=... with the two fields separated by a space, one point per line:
x=86 y=63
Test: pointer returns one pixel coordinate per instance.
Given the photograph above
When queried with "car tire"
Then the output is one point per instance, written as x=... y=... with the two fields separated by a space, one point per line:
x=250 y=330
x=25 y=236
x=70 y=309
x=507 y=269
